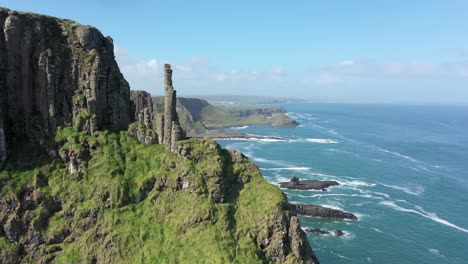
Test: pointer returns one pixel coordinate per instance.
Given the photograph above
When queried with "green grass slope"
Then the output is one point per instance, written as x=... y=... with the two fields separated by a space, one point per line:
x=140 y=204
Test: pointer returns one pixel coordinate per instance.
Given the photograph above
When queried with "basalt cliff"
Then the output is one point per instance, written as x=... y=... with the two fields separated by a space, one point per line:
x=92 y=174
x=55 y=72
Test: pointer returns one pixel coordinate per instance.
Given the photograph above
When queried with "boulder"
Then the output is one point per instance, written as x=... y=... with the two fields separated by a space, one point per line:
x=317 y=231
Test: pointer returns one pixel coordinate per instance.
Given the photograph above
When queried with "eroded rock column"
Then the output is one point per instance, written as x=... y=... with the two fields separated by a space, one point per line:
x=160 y=127
x=169 y=106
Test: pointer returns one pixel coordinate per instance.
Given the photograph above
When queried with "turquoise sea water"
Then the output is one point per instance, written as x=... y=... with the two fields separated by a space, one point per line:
x=403 y=171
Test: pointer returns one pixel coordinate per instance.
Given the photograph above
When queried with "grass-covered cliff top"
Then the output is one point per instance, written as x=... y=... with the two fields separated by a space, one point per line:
x=134 y=203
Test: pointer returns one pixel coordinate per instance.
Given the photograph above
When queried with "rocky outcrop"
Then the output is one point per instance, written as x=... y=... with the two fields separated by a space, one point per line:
x=168 y=130
x=143 y=133
x=169 y=107
x=321 y=212
x=139 y=100
x=56 y=72
x=318 y=231
x=308 y=185
x=282 y=235
x=141 y=107
x=172 y=132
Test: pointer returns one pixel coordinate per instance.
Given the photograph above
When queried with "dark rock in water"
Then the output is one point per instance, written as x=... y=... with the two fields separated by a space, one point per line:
x=321 y=212
x=308 y=185
x=317 y=231
x=339 y=233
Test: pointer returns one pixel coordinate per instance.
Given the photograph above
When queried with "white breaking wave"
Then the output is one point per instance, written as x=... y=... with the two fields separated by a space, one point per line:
x=435 y=252
x=423 y=213
x=254 y=138
x=269 y=139
x=238 y=128
x=322 y=140
x=336 y=206
x=279 y=179
x=287 y=168
x=399 y=155
x=356 y=183
x=360 y=204
x=273 y=162
x=383 y=194
x=344 y=195
x=409 y=189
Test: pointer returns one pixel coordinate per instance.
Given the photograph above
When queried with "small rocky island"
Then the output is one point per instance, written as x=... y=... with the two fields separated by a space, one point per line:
x=296 y=184
x=311 y=210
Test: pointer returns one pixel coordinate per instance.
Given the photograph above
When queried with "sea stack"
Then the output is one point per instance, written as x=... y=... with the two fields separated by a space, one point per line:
x=172 y=131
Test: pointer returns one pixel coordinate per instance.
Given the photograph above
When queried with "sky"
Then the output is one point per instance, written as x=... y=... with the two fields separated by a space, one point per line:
x=336 y=51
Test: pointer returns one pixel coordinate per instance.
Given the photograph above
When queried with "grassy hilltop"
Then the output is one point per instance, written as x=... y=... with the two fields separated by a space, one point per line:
x=137 y=204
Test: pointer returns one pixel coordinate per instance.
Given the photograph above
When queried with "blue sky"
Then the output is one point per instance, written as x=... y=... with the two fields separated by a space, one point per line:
x=354 y=51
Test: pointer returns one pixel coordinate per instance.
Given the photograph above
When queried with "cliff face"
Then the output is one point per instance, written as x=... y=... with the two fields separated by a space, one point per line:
x=55 y=72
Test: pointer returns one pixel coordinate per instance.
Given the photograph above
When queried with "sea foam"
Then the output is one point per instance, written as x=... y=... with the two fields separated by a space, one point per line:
x=409 y=189
x=423 y=213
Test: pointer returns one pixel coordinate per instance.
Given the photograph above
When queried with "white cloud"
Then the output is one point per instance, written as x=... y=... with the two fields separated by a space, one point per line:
x=196 y=76
x=220 y=77
x=357 y=80
x=396 y=69
x=347 y=62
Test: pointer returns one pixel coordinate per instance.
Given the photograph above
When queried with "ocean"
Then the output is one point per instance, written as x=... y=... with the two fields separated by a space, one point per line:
x=403 y=171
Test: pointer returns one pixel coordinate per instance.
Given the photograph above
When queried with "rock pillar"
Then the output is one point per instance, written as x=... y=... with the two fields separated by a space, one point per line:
x=169 y=106
x=176 y=135
x=160 y=127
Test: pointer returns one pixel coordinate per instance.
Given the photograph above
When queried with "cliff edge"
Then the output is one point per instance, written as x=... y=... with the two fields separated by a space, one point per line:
x=55 y=72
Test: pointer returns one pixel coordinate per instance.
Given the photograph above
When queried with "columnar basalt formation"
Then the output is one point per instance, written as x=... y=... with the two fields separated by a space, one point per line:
x=159 y=120
x=55 y=72
x=172 y=130
x=139 y=100
x=167 y=129
x=141 y=109
x=169 y=103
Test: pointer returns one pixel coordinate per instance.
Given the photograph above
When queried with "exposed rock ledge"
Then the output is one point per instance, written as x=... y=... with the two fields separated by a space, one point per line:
x=308 y=185
x=311 y=210
x=318 y=231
